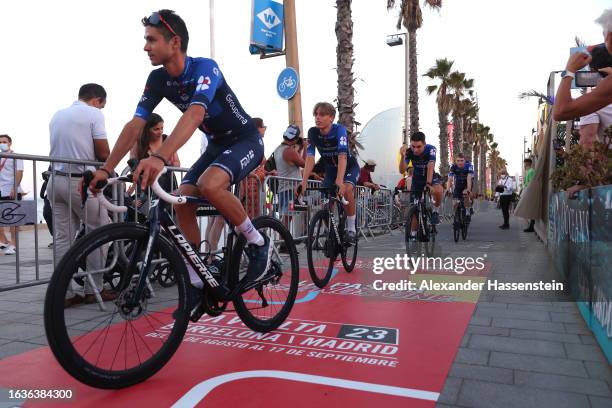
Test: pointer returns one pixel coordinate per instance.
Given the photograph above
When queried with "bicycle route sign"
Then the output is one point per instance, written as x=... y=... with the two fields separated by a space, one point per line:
x=287 y=83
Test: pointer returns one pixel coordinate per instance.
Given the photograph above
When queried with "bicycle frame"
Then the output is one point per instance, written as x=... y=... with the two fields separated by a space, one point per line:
x=328 y=204
x=160 y=219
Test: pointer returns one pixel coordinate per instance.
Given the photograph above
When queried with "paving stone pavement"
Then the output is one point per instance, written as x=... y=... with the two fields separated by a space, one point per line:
x=524 y=350
x=519 y=350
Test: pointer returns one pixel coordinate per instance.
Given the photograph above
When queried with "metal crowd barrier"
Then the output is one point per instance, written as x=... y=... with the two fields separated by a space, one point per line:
x=279 y=202
x=36 y=255
x=377 y=209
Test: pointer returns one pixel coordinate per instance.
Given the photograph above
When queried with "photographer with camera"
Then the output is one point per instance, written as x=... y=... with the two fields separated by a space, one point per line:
x=565 y=107
x=592 y=126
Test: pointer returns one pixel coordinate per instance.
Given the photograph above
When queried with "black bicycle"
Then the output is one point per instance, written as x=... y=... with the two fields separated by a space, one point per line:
x=460 y=220
x=123 y=342
x=420 y=212
x=326 y=238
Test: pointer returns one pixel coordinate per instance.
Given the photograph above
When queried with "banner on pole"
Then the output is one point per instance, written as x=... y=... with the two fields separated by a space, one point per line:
x=267 y=25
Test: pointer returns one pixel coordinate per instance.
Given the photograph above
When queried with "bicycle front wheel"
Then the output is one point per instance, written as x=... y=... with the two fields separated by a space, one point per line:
x=321 y=248
x=348 y=252
x=266 y=305
x=457 y=224
x=115 y=343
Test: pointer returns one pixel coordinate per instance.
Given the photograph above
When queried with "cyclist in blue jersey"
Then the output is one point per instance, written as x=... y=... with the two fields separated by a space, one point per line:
x=341 y=168
x=460 y=182
x=423 y=157
x=198 y=88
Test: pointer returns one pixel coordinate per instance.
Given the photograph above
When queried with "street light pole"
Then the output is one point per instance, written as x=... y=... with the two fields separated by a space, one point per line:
x=211 y=3
x=292 y=60
x=392 y=41
x=406 y=91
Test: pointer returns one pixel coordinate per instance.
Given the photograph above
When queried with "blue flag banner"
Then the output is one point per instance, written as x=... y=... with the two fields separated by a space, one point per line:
x=267 y=25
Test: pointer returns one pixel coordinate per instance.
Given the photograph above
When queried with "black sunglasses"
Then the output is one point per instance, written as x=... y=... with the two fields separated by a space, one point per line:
x=155 y=18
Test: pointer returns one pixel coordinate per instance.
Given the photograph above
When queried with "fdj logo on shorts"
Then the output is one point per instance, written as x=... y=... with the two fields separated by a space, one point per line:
x=246 y=159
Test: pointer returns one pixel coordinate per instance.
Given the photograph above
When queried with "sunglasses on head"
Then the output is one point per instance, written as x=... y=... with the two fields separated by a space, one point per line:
x=155 y=18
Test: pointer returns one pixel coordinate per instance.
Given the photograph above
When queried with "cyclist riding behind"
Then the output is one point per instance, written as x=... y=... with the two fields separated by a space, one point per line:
x=198 y=88
x=460 y=183
x=423 y=157
x=341 y=168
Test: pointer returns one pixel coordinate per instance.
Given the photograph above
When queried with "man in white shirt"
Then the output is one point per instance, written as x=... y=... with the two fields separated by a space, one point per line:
x=505 y=197
x=11 y=173
x=78 y=133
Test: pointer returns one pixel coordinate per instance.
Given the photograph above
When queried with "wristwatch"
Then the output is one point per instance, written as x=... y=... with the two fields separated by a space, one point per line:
x=567 y=73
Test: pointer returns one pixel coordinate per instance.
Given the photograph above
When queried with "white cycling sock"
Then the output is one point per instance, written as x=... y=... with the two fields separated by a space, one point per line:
x=250 y=233
x=350 y=222
x=413 y=233
x=436 y=209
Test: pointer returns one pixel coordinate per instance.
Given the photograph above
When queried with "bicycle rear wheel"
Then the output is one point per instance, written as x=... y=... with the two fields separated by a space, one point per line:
x=266 y=305
x=116 y=345
x=321 y=248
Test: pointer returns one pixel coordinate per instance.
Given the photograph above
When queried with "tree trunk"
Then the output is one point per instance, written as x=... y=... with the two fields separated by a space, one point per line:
x=483 y=167
x=457 y=135
x=413 y=98
x=344 y=59
x=493 y=166
x=476 y=168
x=443 y=123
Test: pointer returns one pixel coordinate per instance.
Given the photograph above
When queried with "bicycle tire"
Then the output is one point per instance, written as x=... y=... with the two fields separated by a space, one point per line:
x=457 y=224
x=54 y=318
x=413 y=211
x=348 y=261
x=464 y=229
x=330 y=246
x=251 y=321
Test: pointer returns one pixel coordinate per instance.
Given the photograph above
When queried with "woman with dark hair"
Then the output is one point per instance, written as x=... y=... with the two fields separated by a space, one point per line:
x=150 y=141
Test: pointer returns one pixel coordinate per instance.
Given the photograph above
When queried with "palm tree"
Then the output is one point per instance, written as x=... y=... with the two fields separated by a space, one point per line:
x=411 y=17
x=480 y=155
x=493 y=164
x=470 y=137
x=441 y=71
x=344 y=61
x=460 y=86
x=489 y=140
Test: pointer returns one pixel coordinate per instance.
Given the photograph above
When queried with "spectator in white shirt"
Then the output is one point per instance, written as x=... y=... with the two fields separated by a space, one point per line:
x=505 y=197
x=11 y=173
x=78 y=133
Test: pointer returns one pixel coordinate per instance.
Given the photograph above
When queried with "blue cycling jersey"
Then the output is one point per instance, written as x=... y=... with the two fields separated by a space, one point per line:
x=461 y=174
x=331 y=145
x=201 y=83
x=419 y=163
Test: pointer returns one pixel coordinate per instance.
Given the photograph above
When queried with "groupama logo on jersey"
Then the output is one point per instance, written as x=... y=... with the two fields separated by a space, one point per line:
x=203 y=83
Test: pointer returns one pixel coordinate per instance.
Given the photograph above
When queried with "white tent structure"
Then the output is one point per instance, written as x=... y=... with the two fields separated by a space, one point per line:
x=381 y=138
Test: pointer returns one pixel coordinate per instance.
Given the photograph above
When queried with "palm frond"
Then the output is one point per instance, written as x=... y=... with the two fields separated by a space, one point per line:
x=431 y=89
x=535 y=94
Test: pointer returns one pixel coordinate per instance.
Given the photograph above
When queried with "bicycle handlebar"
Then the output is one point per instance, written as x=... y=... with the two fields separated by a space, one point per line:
x=157 y=189
x=333 y=190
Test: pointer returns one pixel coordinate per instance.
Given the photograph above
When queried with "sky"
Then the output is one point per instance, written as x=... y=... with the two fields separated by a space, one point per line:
x=50 y=48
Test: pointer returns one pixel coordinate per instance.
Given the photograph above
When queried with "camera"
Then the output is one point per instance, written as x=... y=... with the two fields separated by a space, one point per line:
x=601 y=58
